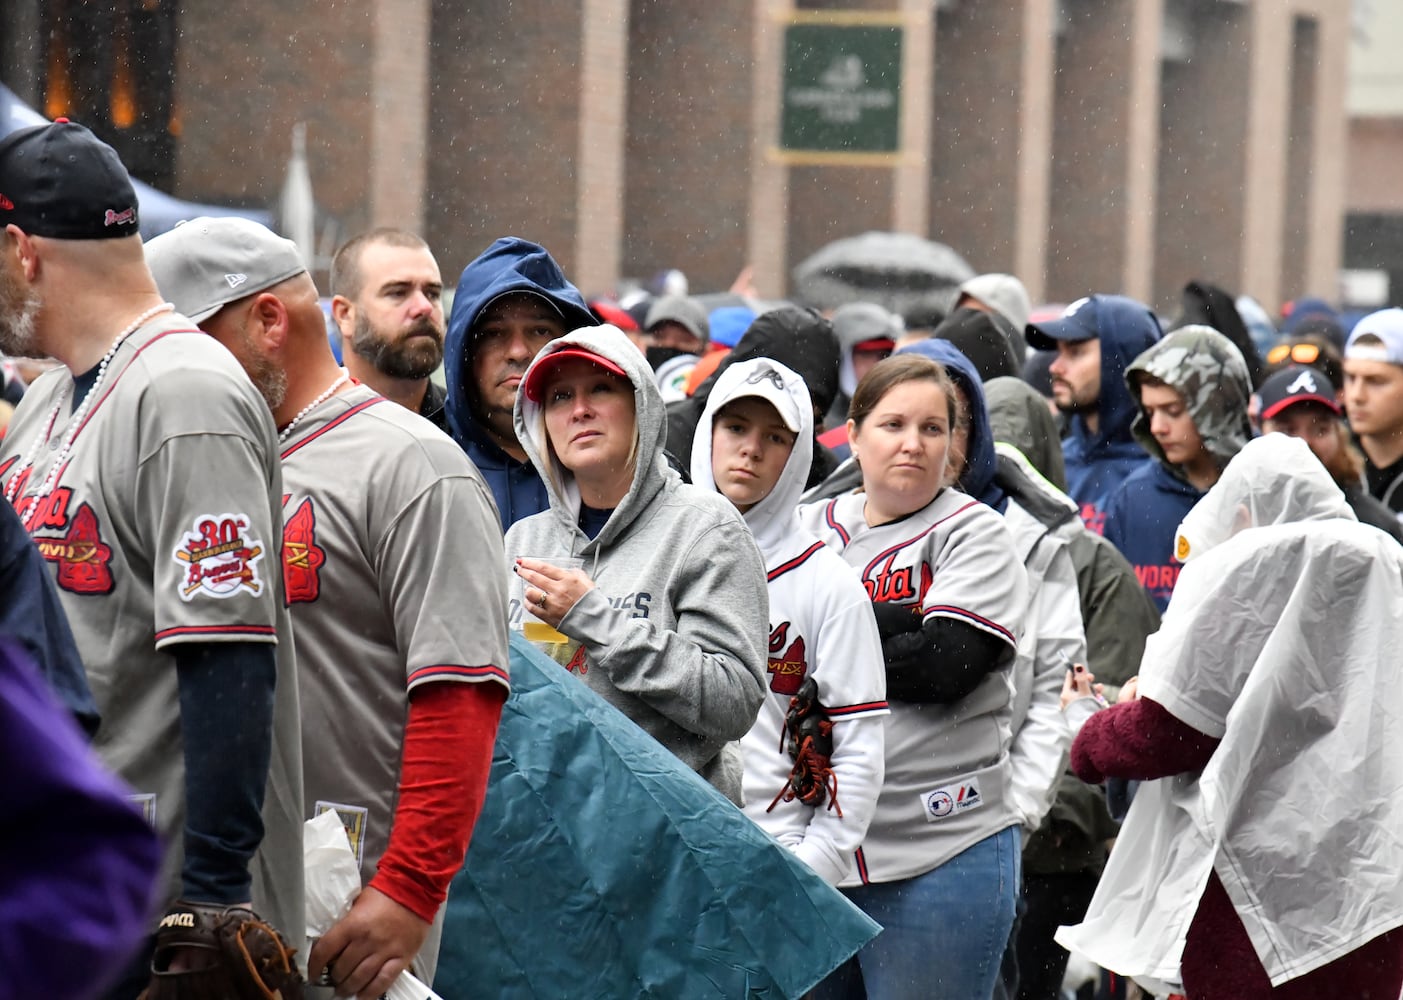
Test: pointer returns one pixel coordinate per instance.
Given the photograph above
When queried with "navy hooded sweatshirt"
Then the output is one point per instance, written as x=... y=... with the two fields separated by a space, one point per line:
x=981 y=462
x=1098 y=463
x=508 y=265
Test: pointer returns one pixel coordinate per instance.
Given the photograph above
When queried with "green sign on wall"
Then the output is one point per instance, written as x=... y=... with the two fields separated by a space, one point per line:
x=842 y=89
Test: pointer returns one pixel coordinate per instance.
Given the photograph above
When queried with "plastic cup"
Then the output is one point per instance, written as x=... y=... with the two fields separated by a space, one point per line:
x=532 y=627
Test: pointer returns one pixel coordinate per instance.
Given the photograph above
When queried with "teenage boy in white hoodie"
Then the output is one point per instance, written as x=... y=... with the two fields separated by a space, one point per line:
x=753 y=444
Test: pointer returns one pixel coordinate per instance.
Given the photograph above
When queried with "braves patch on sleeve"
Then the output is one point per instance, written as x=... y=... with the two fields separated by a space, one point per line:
x=221 y=557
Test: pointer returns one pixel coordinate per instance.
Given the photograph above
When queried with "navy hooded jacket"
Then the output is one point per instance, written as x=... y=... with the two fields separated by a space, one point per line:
x=981 y=462
x=1098 y=463
x=508 y=265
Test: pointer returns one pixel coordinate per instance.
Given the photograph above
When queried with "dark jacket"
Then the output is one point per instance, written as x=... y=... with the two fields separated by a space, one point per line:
x=1098 y=463
x=1208 y=305
x=508 y=265
x=796 y=337
x=1141 y=518
x=978 y=479
x=1116 y=613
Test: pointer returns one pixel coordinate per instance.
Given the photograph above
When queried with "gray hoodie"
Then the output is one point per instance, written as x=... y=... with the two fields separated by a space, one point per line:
x=675 y=632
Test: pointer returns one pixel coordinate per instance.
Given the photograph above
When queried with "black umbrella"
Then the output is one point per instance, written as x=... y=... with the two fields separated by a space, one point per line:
x=907 y=274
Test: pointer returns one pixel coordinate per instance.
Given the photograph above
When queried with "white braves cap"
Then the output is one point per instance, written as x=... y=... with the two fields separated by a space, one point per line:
x=1387 y=326
x=206 y=263
x=768 y=382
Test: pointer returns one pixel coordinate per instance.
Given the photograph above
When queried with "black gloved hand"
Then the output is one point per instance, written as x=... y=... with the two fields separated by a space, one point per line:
x=896 y=619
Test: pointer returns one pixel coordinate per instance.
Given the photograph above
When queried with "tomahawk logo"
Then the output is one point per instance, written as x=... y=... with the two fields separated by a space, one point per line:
x=787 y=669
x=302 y=556
x=1304 y=382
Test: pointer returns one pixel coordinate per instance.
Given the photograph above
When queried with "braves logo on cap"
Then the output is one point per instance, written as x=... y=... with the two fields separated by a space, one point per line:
x=123 y=218
x=1304 y=382
x=6 y=203
x=222 y=557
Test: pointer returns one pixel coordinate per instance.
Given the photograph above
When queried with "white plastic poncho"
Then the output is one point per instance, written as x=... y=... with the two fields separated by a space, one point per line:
x=1283 y=639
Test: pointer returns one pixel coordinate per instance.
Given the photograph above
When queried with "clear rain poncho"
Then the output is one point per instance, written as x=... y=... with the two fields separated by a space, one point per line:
x=1283 y=639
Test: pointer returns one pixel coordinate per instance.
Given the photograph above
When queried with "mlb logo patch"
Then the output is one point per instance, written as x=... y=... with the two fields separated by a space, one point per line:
x=950 y=800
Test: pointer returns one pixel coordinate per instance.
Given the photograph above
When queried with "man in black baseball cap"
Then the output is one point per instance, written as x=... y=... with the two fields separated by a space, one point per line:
x=149 y=425
x=1299 y=401
x=1095 y=339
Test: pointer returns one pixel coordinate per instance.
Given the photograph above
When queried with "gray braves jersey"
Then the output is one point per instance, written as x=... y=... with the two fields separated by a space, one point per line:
x=163 y=528
x=947 y=766
x=392 y=553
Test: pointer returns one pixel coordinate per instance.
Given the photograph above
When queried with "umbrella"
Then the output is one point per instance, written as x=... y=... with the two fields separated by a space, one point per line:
x=602 y=867
x=907 y=274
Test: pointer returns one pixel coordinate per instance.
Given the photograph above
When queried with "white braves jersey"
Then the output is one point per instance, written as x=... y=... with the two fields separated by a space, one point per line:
x=947 y=767
x=821 y=626
x=392 y=556
x=163 y=528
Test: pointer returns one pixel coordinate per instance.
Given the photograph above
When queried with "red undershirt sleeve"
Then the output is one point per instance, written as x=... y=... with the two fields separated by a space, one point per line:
x=443 y=780
x=1139 y=740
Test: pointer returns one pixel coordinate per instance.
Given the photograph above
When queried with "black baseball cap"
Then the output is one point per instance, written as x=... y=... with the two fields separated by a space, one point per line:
x=1077 y=322
x=1296 y=384
x=61 y=181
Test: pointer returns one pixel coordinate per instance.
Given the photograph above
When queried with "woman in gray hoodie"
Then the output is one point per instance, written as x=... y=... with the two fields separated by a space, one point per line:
x=669 y=618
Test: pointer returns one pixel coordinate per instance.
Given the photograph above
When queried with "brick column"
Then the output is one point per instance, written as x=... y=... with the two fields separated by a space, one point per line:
x=1329 y=146
x=1101 y=227
x=1263 y=183
x=910 y=211
x=399 y=92
x=599 y=222
x=768 y=242
x=1202 y=210
x=990 y=163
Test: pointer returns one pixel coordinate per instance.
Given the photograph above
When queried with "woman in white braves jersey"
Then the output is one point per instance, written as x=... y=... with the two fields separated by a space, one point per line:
x=939 y=866
x=754 y=443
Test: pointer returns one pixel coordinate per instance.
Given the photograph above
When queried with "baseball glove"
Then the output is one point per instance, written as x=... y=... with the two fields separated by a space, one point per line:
x=227 y=953
x=810 y=744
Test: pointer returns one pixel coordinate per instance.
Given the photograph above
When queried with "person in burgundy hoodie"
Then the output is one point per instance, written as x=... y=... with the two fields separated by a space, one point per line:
x=1261 y=855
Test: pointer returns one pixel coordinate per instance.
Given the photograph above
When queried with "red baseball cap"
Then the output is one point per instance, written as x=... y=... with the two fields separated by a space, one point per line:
x=535 y=381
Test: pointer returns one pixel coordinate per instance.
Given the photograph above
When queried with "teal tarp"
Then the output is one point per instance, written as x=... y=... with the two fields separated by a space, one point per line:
x=602 y=867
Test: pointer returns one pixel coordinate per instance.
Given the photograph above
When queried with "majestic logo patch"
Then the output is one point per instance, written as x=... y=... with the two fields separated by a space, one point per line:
x=946 y=801
x=222 y=557
x=353 y=818
x=787 y=669
x=303 y=558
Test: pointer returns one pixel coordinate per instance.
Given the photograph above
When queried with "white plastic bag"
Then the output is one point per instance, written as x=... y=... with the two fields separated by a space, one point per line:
x=333 y=882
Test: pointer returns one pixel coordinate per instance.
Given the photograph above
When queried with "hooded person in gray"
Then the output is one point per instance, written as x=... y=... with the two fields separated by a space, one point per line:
x=672 y=622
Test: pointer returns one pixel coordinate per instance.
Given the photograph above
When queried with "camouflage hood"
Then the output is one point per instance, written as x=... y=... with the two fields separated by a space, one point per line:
x=1208 y=370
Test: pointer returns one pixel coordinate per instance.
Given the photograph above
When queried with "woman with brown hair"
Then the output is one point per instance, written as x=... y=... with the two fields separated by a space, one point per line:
x=939 y=866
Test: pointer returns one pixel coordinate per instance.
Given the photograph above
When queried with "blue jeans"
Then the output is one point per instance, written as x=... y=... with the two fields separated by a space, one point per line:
x=943 y=933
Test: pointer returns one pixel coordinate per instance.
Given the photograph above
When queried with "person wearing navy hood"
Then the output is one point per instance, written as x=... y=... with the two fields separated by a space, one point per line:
x=511 y=301
x=1095 y=340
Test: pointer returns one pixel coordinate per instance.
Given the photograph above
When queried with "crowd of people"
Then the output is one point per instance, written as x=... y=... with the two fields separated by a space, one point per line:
x=1030 y=632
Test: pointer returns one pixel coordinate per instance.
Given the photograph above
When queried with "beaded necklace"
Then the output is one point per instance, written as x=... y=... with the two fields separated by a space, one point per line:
x=74 y=424
x=341 y=380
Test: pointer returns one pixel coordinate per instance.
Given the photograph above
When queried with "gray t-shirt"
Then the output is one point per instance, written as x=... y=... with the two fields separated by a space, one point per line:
x=162 y=528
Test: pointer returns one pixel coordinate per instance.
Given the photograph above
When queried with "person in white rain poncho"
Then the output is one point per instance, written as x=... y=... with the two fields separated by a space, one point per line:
x=1275 y=870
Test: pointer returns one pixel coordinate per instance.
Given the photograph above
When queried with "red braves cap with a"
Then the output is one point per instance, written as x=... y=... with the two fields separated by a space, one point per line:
x=535 y=382
x=63 y=182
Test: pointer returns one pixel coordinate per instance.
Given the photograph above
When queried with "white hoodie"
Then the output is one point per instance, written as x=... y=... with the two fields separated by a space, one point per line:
x=821 y=626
